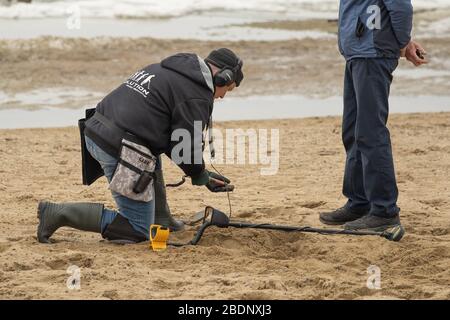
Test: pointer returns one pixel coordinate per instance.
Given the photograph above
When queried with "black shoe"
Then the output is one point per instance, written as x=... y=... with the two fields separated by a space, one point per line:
x=341 y=216
x=373 y=223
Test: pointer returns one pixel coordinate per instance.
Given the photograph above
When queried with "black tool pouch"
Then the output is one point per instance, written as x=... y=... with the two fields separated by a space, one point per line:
x=91 y=168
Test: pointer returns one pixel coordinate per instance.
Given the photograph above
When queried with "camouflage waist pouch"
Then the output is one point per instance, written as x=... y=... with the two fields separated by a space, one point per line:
x=133 y=177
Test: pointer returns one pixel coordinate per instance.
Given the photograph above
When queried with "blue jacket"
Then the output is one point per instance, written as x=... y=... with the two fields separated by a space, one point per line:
x=374 y=28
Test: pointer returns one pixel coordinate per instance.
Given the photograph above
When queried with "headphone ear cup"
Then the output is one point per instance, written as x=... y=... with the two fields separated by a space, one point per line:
x=224 y=77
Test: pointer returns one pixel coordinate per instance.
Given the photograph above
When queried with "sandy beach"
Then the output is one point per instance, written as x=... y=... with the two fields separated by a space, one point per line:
x=74 y=72
x=234 y=264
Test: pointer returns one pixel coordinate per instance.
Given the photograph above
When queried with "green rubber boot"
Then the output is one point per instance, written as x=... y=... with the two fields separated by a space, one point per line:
x=81 y=216
x=163 y=216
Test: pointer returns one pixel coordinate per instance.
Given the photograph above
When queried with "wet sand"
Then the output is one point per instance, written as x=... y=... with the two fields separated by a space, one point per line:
x=234 y=264
x=311 y=68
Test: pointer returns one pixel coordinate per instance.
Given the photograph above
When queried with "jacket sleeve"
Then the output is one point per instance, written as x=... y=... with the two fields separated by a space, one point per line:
x=189 y=119
x=401 y=13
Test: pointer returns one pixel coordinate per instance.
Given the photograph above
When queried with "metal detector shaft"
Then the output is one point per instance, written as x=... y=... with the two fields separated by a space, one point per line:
x=304 y=229
x=221 y=220
x=198 y=235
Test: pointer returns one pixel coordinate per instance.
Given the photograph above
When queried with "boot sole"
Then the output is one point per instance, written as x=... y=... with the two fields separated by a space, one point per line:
x=41 y=207
x=377 y=229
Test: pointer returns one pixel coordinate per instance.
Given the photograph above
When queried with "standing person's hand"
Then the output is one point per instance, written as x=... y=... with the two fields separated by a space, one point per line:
x=415 y=53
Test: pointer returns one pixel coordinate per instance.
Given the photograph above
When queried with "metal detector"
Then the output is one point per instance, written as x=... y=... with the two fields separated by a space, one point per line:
x=214 y=217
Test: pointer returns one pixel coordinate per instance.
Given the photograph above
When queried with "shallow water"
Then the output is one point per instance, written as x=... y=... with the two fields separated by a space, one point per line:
x=250 y=108
x=218 y=26
x=139 y=9
x=142 y=9
x=424 y=72
x=280 y=107
x=46 y=97
x=179 y=19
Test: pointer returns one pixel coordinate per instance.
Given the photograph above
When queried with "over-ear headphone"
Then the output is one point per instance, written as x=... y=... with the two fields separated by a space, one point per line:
x=227 y=75
x=224 y=77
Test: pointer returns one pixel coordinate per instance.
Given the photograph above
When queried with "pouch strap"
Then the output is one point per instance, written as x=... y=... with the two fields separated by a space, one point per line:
x=121 y=132
x=108 y=123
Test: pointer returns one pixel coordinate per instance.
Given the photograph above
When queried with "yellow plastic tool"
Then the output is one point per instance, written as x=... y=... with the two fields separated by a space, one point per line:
x=158 y=237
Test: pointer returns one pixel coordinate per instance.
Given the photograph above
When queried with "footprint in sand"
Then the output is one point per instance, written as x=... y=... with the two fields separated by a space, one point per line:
x=4 y=247
x=111 y=294
x=440 y=231
x=434 y=203
x=311 y=204
x=16 y=266
x=404 y=177
x=233 y=244
x=25 y=197
x=418 y=152
x=77 y=259
x=246 y=214
x=253 y=295
x=324 y=153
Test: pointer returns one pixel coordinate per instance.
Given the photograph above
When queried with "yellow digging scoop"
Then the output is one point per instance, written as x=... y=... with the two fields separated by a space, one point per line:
x=158 y=237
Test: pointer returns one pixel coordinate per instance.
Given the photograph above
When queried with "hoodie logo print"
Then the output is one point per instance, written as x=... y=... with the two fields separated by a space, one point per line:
x=148 y=81
x=140 y=82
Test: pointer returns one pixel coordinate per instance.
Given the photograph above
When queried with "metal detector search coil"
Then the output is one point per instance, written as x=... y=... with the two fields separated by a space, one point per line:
x=158 y=237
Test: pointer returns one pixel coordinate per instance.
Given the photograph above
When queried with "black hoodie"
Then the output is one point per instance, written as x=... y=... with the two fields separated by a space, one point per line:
x=154 y=102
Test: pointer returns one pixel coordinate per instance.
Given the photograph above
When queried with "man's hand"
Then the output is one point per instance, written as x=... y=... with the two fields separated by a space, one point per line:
x=414 y=53
x=213 y=181
x=218 y=183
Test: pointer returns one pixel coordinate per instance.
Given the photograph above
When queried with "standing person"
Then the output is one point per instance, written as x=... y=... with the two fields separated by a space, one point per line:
x=373 y=35
x=131 y=127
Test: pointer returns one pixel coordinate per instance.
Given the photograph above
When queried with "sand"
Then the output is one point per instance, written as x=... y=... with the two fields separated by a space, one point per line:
x=234 y=264
x=227 y=264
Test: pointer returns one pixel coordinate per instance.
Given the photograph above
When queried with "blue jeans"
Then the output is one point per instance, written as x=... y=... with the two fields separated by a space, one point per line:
x=369 y=181
x=140 y=214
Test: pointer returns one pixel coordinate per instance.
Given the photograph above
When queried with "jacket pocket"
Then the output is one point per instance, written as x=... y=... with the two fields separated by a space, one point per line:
x=360 y=28
x=392 y=65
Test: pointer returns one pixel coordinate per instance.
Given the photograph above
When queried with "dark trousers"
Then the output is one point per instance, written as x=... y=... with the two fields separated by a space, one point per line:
x=369 y=180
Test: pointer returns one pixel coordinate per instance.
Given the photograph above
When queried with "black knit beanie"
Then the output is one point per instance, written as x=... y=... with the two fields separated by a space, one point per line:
x=224 y=57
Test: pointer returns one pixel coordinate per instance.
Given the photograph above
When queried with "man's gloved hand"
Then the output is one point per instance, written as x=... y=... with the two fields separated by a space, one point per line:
x=213 y=181
x=218 y=183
